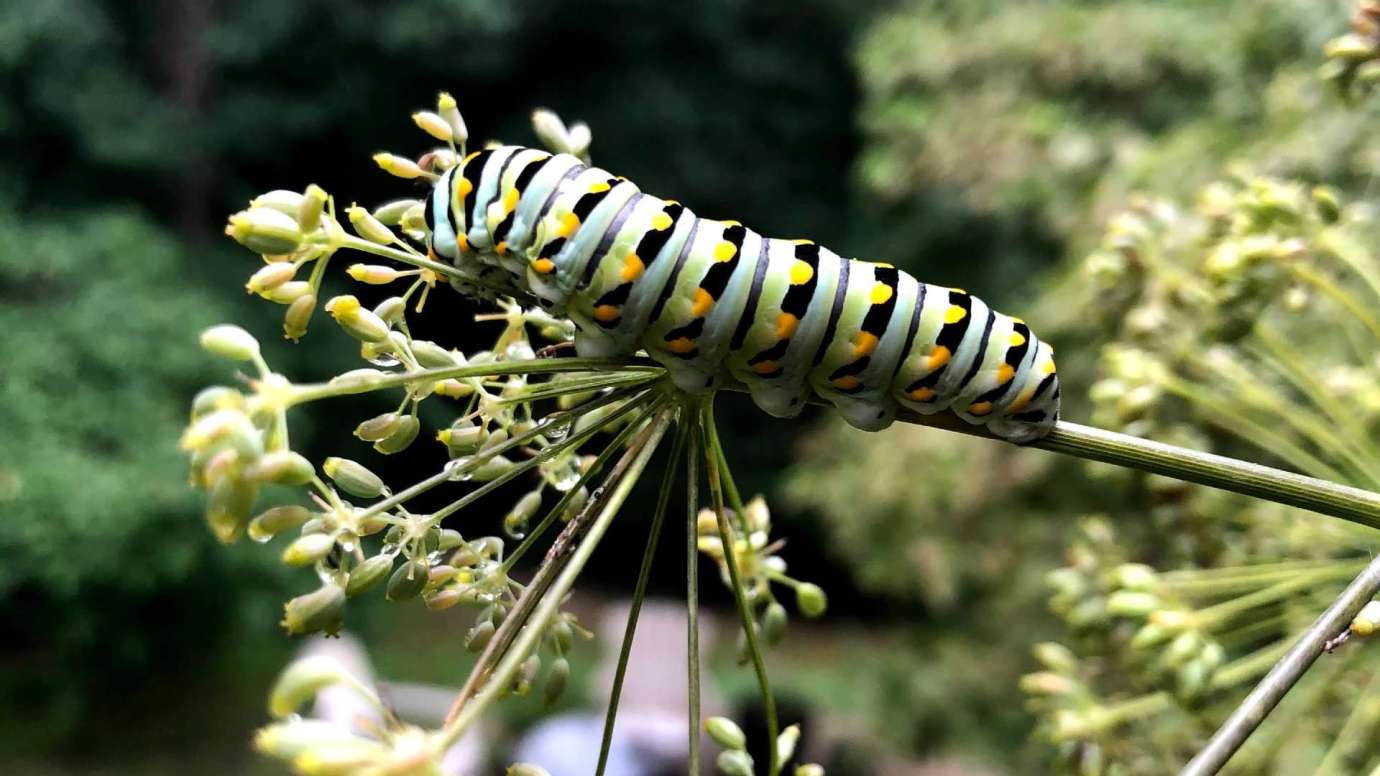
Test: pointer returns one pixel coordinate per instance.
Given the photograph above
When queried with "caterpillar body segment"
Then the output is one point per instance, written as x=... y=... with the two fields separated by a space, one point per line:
x=787 y=318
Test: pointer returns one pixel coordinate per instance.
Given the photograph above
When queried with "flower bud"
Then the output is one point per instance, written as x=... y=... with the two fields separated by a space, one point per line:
x=1129 y=603
x=358 y=380
x=550 y=130
x=492 y=469
x=527 y=769
x=378 y=427
x=230 y=341
x=215 y=397
x=291 y=738
x=1149 y=636
x=1350 y=46
x=734 y=762
x=774 y=623
x=443 y=599
x=281 y=200
x=1056 y=657
x=298 y=316
x=353 y=477
x=274 y=521
x=579 y=136
x=1366 y=620
x=398 y=166
x=1046 y=683
x=407 y=581
x=1133 y=576
x=282 y=467
x=391 y=213
x=288 y=292
x=809 y=769
x=725 y=732
x=433 y=125
x=478 y=637
x=227 y=510
x=264 y=230
x=313 y=205
x=454 y=389
x=367 y=574
x=402 y=436
x=308 y=549
x=300 y=682
x=270 y=276
x=433 y=356
x=373 y=274
x=359 y=323
x=446 y=108
x=556 y=679
x=785 y=744
x=369 y=228
x=810 y=599
x=322 y=609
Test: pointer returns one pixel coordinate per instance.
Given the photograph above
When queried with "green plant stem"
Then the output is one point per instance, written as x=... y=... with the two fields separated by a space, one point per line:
x=713 y=457
x=1223 y=612
x=570 y=556
x=1285 y=674
x=692 y=589
x=1217 y=471
x=639 y=593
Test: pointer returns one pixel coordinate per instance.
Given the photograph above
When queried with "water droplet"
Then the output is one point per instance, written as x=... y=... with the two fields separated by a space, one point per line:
x=557 y=431
x=385 y=360
x=457 y=470
x=435 y=558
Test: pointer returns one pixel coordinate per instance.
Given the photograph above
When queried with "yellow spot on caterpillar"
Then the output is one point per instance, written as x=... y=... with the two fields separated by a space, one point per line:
x=1017 y=320
x=785 y=325
x=661 y=222
x=463 y=243
x=958 y=290
x=672 y=201
x=1049 y=367
x=606 y=313
x=921 y=394
x=954 y=314
x=681 y=345
x=569 y=223
x=765 y=367
x=939 y=356
x=468 y=158
x=704 y=302
x=463 y=187
x=881 y=292
x=981 y=408
x=1004 y=374
x=801 y=272
x=544 y=266
x=1017 y=339
x=1019 y=403
x=632 y=268
x=599 y=188
x=725 y=251
x=845 y=383
x=732 y=223
x=803 y=242
x=502 y=248
x=510 y=200
x=885 y=265
x=864 y=344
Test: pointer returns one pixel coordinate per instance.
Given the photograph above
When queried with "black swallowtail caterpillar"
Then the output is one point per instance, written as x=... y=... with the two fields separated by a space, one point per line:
x=785 y=317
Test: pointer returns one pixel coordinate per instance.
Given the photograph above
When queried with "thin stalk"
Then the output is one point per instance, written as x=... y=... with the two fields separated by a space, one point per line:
x=314 y=391
x=1358 y=723
x=639 y=593
x=713 y=456
x=571 y=558
x=1214 y=615
x=1341 y=296
x=1285 y=674
x=692 y=591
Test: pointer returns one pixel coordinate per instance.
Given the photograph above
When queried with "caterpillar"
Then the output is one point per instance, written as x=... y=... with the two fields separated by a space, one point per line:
x=705 y=298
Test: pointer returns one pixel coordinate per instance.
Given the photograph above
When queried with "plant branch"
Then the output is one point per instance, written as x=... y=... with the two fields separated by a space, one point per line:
x=1286 y=673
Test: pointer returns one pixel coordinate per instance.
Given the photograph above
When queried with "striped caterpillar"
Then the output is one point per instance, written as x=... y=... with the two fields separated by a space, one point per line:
x=784 y=317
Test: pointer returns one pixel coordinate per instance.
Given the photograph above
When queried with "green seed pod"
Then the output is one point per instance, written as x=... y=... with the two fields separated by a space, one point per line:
x=550 y=130
x=398 y=166
x=463 y=439
x=282 y=467
x=437 y=576
x=446 y=108
x=407 y=581
x=281 y=200
x=492 y=469
x=1367 y=621
x=1183 y=648
x=266 y=231
x=274 y=521
x=286 y=740
x=378 y=427
x=578 y=499
x=530 y=668
x=359 y=323
x=308 y=549
x=443 y=599
x=1129 y=603
x=227 y=510
x=734 y=762
x=1133 y=576
x=391 y=310
x=358 y=380
x=527 y=769
x=391 y=213
x=1046 y=683
x=1149 y=636
x=313 y=205
x=1350 y=47
x=216 y=397
x=785 y=745
x=298 y=316
x=320 y=610
x=1191 y=680
x=300 y=682
x=368 y=574
x=725 y=732
x=288 y=292
x=579 y=136
x=774 y=623
x=810 y=600
x=809 y=769
x=270 y=276
x=561 y=636
x=353 y=478
x=432 y=356
x=448 y=539
x=230 y=341
x=1056 y=657
x=402 y=436
x=478 y=637
x=373 y=274
x=556 y=679
x=433 y=125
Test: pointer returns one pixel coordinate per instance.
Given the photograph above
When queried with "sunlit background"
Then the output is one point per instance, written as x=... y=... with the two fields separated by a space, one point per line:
x=979 y=144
